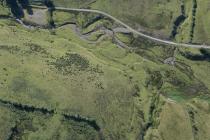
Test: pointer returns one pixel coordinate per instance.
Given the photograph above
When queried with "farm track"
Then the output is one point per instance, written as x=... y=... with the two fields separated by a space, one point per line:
x=157 y=40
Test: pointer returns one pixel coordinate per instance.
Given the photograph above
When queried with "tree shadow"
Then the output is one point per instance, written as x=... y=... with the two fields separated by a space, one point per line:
x=26 y=5
x=16 y=10
x=204 y=56
x=17 y=7
x=51 y=7
x=49 y=4
x=180 y=19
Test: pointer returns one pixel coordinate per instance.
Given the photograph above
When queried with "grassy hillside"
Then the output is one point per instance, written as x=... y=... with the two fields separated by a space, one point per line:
x=178 y=20
x=202 y=23
x=56 y=84
x=151 y=16
x=4 y=10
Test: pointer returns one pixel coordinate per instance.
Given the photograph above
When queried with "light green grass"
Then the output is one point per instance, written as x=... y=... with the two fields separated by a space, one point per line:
x=202 y=23
x=113 y=89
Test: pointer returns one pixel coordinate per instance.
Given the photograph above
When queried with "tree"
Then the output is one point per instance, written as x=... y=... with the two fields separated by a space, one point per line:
x=15 y=8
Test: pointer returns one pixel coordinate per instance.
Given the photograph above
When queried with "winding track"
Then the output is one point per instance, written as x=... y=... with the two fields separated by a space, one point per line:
x=161 y=41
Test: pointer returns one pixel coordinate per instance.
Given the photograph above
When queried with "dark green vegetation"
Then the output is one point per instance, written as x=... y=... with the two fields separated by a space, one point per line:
x=75 y=81
x=66 y=63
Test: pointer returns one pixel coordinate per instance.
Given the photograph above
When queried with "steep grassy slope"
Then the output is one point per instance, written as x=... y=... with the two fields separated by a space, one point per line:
x=202 y=22
x=54 y=84
x=3 y=10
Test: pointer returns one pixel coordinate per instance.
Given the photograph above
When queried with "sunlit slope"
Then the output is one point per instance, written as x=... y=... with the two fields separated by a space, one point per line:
x=54 y=84
x=110 y=92
x=47 y=71
x=202 y=24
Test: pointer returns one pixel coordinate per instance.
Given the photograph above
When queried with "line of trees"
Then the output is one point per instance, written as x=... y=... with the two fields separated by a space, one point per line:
x=179 y=20
x=194 y=9
x=16 y=10
x=17 y=6
x=68 y=116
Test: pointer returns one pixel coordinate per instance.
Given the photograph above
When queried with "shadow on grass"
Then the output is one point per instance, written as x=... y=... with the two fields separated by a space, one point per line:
x=204 y=56
x=17 y=7
x=25 y=5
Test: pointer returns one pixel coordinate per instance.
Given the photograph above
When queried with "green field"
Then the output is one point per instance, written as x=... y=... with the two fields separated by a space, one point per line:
x=56 y=85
